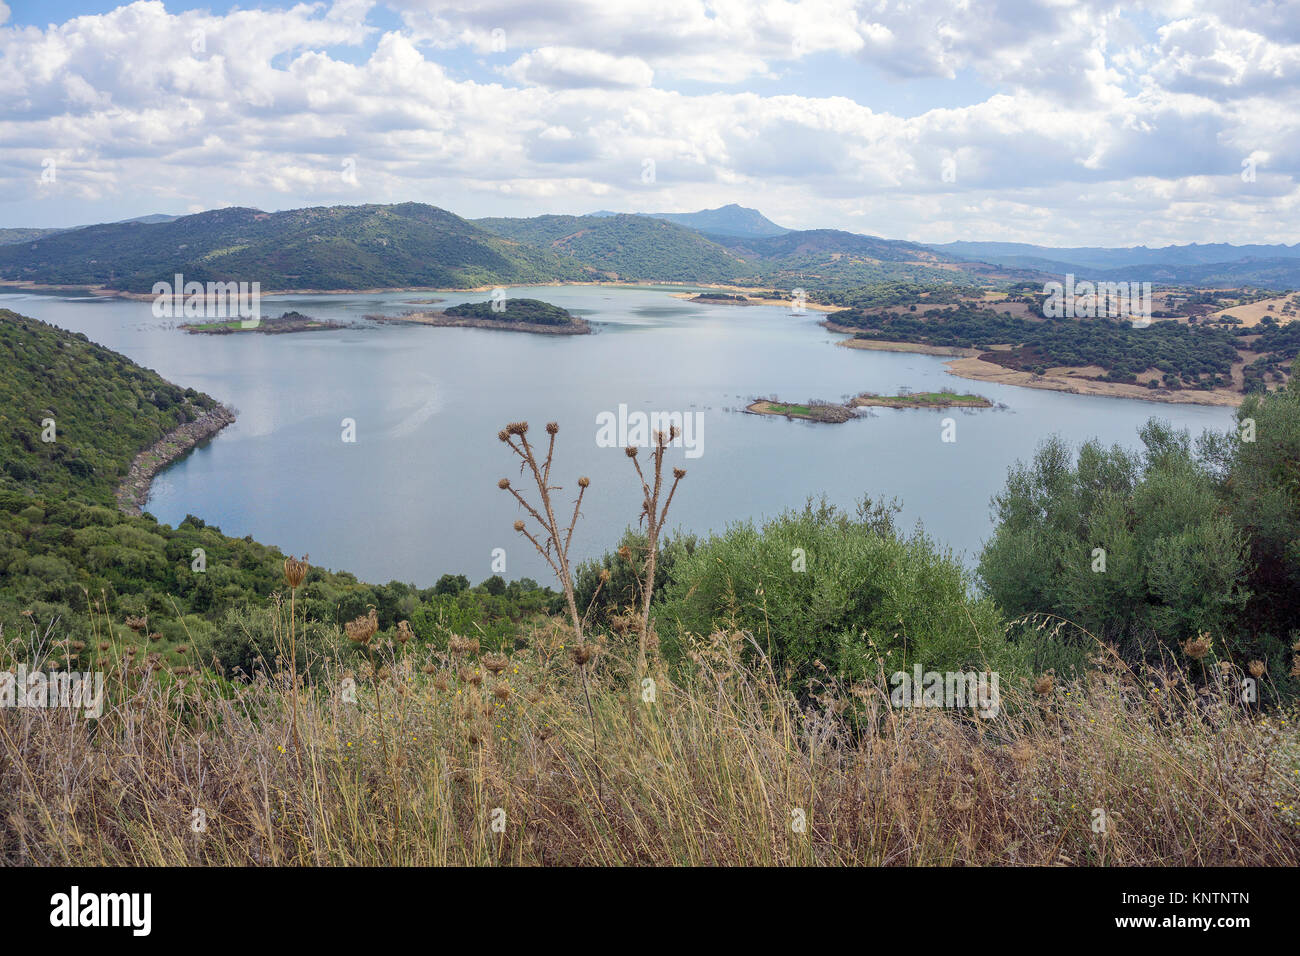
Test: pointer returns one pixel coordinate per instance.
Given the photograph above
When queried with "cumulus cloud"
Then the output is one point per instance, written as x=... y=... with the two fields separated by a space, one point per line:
x=569 y=67
x=1101 y=129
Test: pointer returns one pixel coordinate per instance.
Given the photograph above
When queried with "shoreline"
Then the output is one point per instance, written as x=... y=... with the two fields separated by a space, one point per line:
x=750 y=299
x=24 y=285
x=978 y=370
x=967 y=364
x=102 y=290
x=885 y=345
x=133 y=492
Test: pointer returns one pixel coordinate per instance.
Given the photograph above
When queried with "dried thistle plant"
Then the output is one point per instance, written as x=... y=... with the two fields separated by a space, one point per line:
x=654 y=518
x=295 y=572
x=361 y=631
x=557 y=538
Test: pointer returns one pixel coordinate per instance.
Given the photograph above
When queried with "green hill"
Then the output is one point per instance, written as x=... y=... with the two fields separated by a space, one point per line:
x=646 y=248
x=67 y=555
x=325 y=247
x=628 y=247
x=729 y=220
x=831 y=259
x=416 y=245
x=8 y=236
x=105 y=409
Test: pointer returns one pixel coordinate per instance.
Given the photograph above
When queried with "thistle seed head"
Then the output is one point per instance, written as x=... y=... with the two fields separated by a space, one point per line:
x=1197 y=647
x=361 y=630
x=295 y=570
x=462 y=645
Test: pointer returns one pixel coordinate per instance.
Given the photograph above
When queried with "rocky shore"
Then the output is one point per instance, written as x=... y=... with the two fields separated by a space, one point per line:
x=134 y=490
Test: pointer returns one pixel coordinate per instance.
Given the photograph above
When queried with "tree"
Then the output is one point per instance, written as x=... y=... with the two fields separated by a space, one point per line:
x=451 y=584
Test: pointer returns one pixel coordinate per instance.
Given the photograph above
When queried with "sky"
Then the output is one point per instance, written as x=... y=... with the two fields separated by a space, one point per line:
x=1045 y=121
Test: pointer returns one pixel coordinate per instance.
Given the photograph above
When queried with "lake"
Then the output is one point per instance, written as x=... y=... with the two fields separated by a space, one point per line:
x=415 y=495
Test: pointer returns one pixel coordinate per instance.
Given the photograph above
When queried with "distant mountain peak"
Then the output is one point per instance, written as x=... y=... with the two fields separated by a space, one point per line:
x=732 y=219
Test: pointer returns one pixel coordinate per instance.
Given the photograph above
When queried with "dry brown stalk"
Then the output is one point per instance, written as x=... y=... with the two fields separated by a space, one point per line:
x=654 y=518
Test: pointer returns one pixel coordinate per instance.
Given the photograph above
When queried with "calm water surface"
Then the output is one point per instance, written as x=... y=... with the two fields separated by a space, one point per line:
x=415 y=496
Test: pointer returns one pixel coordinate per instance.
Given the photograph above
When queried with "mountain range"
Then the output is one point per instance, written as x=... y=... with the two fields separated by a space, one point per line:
x=325 y=248
x=417 y=245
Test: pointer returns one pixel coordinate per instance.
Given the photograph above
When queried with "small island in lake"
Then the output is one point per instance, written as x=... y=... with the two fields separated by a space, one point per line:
x=830 y=413
x=288 y=322
x=922 y=400
x=720 y=298
x=809 y=412
x=510 y=315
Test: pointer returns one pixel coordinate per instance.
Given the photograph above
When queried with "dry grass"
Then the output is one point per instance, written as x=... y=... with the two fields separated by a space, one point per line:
x=712 y=771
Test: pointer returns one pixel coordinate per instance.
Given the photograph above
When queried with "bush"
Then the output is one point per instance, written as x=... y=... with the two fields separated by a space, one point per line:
x=1137 y=548
x=625 y=566
x=819 y=585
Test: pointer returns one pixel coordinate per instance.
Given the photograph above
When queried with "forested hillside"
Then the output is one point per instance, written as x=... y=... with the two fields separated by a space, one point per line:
x=73 y=414
x=1173 y=355
x=65 y=549
x=326 y=247
x=628 y=247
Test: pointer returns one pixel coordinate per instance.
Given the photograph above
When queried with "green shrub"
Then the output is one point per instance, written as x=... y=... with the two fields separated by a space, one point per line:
x=866 y=597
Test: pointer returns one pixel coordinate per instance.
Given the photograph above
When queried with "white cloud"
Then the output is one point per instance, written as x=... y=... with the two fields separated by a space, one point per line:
x=569 y=67
x=1098 y=132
